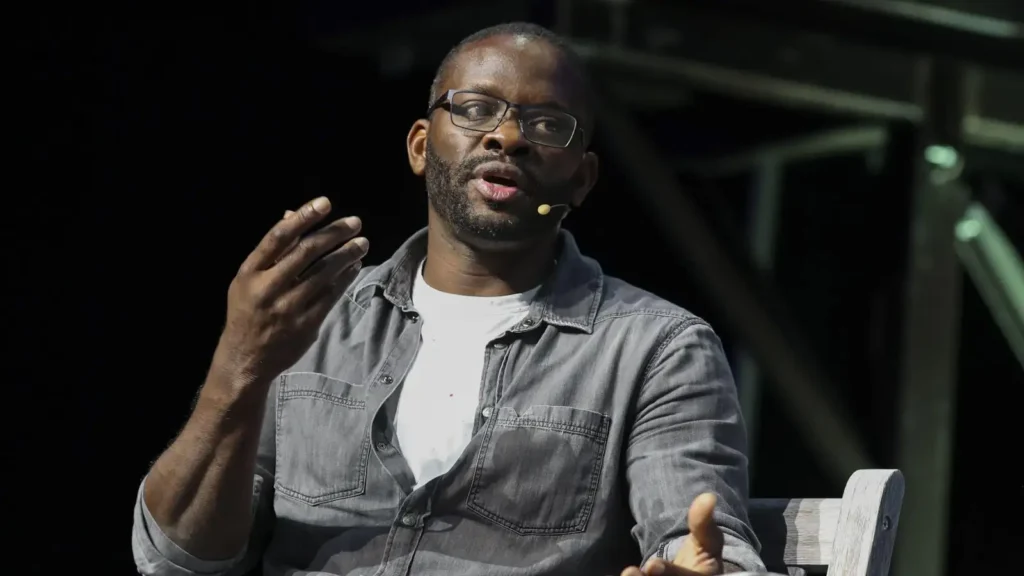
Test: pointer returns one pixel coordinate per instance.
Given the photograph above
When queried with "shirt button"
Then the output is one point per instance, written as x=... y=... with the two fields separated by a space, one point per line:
x=527 y=323
x=487 y=411
x=409 y=520
x=387 y=379
x=500 y=345
x=382 y=446
x=414 y=317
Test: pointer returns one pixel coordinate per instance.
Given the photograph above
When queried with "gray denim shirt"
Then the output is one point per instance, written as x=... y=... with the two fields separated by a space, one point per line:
x=602 y=415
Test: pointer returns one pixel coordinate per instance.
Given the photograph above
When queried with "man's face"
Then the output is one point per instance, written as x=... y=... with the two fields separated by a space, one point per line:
x=486 y=186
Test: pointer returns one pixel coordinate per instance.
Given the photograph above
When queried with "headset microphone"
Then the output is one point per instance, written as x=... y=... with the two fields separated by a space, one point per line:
x=545 y=209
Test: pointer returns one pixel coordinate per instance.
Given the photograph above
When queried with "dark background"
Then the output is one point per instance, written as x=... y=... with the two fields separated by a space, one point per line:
x=162 y=146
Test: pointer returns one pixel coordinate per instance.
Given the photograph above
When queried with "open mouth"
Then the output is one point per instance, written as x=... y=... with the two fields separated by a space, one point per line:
x=500 y=181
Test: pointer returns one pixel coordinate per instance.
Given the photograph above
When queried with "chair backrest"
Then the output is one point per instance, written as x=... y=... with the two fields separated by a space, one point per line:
x=852 y=536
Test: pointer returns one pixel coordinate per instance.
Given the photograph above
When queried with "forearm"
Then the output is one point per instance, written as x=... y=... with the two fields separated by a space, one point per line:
x=688 y=439
x=200 y=490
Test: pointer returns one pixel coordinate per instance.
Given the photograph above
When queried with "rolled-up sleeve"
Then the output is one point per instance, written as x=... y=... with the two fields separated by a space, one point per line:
x=689 y=438
x=157 y=555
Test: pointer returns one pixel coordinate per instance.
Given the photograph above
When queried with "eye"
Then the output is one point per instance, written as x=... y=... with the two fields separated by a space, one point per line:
x=474 y=109
x=550 y=124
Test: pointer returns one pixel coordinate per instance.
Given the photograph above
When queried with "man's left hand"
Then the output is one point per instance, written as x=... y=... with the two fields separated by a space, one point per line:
x=701 y=551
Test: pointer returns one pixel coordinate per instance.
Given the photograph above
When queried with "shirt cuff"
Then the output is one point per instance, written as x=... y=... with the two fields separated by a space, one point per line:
x=156 y=555
x=734 y=551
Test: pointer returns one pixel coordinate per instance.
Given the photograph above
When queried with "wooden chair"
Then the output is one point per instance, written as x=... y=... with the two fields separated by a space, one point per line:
x=852 y=536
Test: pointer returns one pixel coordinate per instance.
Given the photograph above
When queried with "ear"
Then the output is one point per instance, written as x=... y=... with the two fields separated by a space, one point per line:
x=416 y=146
x=586 y=177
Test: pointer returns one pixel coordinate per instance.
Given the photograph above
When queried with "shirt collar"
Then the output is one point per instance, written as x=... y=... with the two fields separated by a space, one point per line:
x=569 y=298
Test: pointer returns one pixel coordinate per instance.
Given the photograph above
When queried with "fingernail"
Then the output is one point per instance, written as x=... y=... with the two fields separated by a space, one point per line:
x=361 y=243
x=353 y=222
x=288 y=214
x=322 y=205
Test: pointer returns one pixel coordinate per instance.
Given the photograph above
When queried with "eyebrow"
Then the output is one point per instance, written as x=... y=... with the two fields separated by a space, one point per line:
x=489 y=91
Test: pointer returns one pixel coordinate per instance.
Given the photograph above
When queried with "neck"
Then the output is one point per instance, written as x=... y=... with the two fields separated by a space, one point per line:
x=455 y=267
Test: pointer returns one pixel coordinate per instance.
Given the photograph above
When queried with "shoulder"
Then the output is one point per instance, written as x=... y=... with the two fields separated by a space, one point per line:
x=625 y=303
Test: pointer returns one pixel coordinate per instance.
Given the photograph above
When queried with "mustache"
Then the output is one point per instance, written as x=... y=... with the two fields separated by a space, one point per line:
x=467 y=166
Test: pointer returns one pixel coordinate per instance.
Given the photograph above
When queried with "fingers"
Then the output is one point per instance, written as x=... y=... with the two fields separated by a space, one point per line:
x=284 y=234
x=323 y=296
x=325 y=249
x=288 y=214
x=322 y=272
x=327 y=272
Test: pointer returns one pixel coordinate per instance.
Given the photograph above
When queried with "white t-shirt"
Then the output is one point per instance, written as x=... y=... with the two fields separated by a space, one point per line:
x=438 y=401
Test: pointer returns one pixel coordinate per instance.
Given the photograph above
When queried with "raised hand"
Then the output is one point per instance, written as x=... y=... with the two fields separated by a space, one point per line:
x=283 y=291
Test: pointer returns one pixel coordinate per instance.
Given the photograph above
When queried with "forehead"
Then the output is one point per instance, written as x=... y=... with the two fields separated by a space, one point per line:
x=516 y=68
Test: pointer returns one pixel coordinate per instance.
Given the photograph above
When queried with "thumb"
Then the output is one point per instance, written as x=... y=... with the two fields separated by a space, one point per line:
x=701 y=551
x=701 y=520
x=703 y=529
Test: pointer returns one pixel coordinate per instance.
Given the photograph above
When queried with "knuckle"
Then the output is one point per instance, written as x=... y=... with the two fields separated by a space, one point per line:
x=307 y=246
x=278 y=234
x=279 y=311
x=307 y=212
x=274 y=241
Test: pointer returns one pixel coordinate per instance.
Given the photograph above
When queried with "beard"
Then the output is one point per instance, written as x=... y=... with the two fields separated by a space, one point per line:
x=500 y=222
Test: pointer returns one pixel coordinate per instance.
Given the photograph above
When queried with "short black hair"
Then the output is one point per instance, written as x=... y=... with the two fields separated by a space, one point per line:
x=532 y=32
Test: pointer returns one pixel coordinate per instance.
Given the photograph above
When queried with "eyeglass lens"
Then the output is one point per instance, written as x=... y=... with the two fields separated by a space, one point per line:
x=484 y=113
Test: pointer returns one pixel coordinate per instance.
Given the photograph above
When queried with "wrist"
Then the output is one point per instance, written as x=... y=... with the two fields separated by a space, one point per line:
x=229 y=387
x=235 y=365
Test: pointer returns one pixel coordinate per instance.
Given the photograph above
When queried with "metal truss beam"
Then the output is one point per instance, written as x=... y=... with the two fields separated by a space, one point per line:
x=925 y=27
x=983 y=132
x=931 y=328
x=996 y=269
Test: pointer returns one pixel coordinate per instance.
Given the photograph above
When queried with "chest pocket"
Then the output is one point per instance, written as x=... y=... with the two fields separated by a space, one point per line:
x=538 y=472
x=323 y=440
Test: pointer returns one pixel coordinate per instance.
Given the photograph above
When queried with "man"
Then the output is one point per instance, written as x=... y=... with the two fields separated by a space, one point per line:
x=484 y=402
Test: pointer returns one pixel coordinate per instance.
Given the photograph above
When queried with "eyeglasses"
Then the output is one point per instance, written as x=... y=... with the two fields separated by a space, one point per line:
x=540 y=124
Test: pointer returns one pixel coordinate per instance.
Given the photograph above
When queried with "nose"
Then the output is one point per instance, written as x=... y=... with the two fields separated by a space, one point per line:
x=507 y=138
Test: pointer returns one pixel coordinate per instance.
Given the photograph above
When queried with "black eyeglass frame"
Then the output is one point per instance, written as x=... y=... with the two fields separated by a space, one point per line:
x=445 y=101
